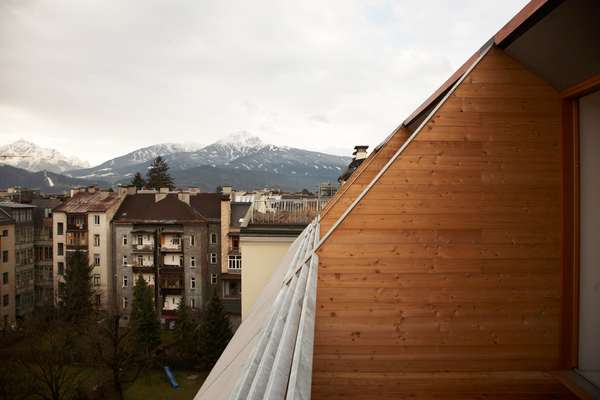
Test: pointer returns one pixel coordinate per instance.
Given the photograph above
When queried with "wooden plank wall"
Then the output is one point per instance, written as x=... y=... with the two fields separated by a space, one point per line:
x=444 y=281
x=359 y=179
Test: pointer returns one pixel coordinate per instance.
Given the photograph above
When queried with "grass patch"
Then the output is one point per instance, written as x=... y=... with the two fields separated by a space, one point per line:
x=153 y=385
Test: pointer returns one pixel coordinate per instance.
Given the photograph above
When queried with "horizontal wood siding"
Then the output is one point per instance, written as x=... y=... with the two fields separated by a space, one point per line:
x=444 y=281
x=359 y=179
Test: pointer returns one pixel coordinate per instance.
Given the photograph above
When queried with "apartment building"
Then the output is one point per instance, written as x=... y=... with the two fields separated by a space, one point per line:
x=42 y=248
x=209 y=206
x=82 y=223
x=7 y=271
x=22 y=215
x=162 y=238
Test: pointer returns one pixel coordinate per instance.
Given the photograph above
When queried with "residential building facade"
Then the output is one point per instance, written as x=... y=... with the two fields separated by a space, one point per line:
x=158 y=236
x=82 y=223
x=7 y=271
x=43 y=250
x=22 y=215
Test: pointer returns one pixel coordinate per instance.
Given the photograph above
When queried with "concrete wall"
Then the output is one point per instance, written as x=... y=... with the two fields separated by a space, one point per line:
x=104 y=250
x=260 y=257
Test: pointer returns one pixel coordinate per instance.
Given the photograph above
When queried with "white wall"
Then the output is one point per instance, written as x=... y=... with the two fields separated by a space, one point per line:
x=260 y=257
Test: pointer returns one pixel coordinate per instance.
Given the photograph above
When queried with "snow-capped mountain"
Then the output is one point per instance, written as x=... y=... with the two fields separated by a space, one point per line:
x=37 y=158
x=116 y=168
x=230 y=158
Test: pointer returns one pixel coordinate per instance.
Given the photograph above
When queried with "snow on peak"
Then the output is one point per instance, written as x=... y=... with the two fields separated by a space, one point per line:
x=30 y=156
x=241 y=139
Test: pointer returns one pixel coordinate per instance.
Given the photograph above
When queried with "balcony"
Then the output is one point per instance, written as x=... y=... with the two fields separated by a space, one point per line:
x=171 y=248
x=142 y=248
x=77 y=240
x=142 y=268
x=172 y=290
x=299 y=211
x=170 y=270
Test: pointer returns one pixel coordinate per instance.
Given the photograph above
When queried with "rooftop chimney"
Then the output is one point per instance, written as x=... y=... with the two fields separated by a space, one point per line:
x=184 y=196
x=227 y=189
x=360 y=152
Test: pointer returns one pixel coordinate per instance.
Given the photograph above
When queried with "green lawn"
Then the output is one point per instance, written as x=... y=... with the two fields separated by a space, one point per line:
x=153 y=385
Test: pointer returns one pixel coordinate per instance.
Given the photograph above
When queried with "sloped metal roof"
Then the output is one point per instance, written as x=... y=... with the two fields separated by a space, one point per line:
x=270 y=355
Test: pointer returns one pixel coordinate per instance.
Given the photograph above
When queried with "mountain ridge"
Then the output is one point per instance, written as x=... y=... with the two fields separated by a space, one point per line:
x=34 y=158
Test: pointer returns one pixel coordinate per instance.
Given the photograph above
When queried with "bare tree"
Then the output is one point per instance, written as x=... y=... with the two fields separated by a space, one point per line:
x=49 y=364
x=114 y=346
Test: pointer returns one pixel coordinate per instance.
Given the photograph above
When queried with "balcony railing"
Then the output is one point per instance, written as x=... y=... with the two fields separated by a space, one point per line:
x=285 y=211
x=142 y=248
x=171 y=248
x=137 y=267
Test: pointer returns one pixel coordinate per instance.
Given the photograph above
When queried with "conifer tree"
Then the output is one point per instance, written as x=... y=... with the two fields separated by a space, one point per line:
x=186 y=332
x=75 y=296
x=144 y=319
x=214 y=332
x=158 y=175
x=138 y=181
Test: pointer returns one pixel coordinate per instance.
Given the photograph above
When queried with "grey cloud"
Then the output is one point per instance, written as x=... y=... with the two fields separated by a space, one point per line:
x=86 y=75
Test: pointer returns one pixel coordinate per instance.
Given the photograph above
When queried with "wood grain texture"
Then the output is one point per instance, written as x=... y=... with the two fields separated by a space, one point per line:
x=359 y=179
x=445 y=281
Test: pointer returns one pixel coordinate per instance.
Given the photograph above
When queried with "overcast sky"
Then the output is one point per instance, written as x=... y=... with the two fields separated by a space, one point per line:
x=99 y=78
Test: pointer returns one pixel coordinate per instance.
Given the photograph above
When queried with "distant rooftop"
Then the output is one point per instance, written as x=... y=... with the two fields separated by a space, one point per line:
x=154 y=208
x=207 y=204
x=12 y=204
x=84 y=202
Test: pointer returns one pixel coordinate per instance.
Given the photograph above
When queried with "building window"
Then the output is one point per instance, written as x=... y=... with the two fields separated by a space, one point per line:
x=61 y=268
x=140 y=261
x=96 y=220
x=125 y=303
x=124 y=260
x=97 y=240
x=213 y=258
x=213 y=238
x=125 y=281
x=5 y=278
x=140 y=240
x=96 y=260
x=192 y=261
x=5 y=300
x=5 y=233
x=124 y=240
x=192 y=240
x=59 y=228
x=235 y=242
x=61 y=249
x=175 y=241
x=231 y=289
x=193 y=303
x=235 y=262
x=193 y=284
x=5 y=256
x=98 y=300
x=96 y=280
x=213 y=279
